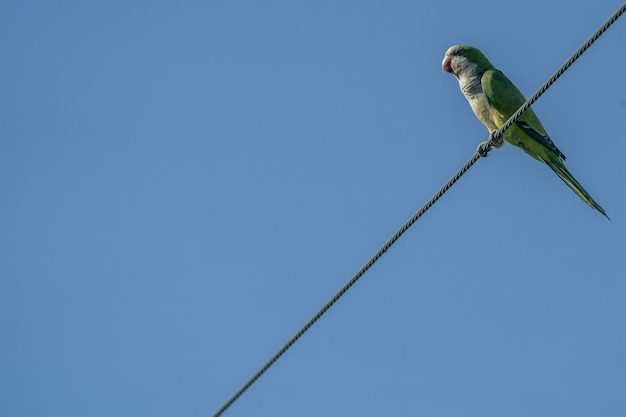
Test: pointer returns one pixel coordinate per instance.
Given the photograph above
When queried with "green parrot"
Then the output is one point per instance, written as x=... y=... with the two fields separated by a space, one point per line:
x=494 y=98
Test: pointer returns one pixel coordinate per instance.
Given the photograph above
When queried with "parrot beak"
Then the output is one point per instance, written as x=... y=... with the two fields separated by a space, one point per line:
x=446 y=65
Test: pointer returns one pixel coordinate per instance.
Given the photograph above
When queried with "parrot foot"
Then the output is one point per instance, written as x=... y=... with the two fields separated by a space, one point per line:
x=496 y=142
x=483 y=149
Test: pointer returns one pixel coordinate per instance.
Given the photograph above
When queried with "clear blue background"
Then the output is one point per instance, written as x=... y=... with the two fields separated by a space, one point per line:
x=184 y=184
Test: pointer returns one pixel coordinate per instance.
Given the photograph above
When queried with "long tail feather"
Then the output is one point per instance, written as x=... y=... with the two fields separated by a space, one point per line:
x=559 y=168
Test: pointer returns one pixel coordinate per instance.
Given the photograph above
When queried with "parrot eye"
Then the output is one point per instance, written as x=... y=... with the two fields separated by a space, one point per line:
x=457 y=52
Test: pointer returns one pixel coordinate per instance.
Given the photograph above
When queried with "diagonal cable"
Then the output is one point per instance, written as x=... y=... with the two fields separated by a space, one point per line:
x=351 y=282
x=494 y=137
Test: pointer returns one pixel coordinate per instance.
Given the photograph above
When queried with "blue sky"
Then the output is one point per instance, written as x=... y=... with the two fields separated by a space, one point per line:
x=185 y=183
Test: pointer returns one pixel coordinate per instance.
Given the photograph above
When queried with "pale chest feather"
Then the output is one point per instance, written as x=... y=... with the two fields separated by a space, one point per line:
x=484 y=111
x=473 y=92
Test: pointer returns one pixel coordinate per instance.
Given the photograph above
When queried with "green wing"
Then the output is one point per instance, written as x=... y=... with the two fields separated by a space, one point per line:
x=504 y=96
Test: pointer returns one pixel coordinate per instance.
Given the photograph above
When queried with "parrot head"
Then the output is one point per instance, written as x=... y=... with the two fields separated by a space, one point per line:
x=465 y=62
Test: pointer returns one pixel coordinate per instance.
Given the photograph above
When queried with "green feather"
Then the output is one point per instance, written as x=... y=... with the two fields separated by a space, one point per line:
x=559 y=168
x=528 y=133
